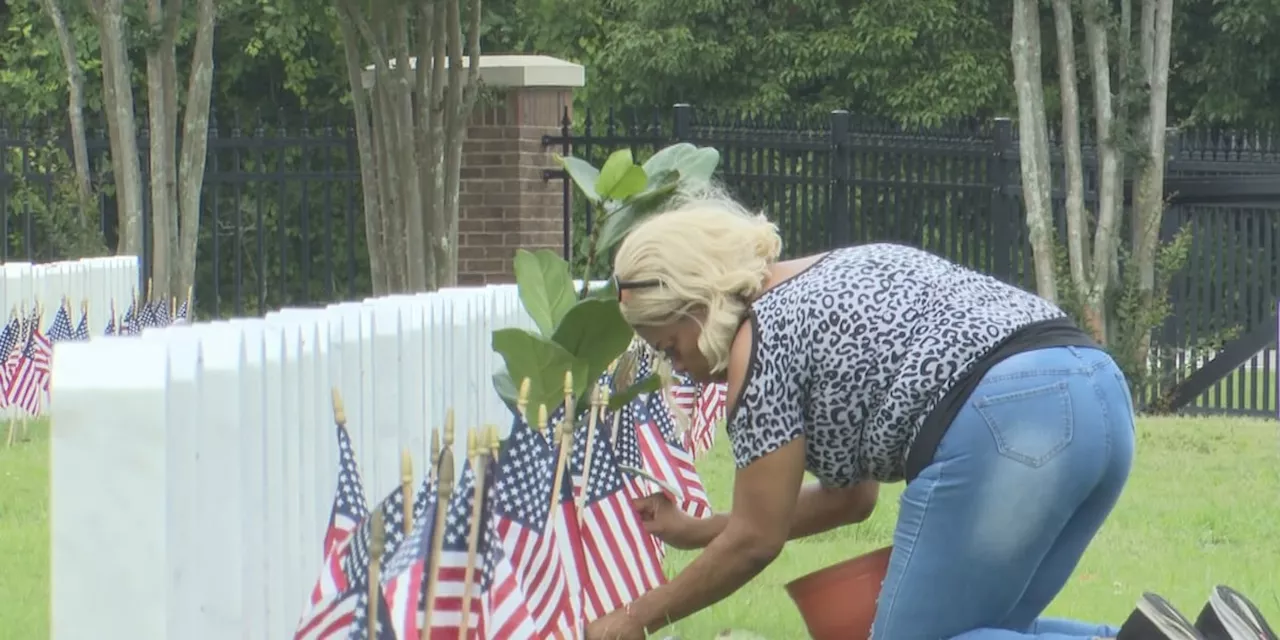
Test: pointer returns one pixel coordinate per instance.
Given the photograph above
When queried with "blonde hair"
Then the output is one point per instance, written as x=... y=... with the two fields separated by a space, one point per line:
x=708 y=252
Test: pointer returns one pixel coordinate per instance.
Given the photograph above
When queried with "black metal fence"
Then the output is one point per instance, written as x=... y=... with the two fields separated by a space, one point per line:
x=956 y=190
x=281 y=211
x=282 y=222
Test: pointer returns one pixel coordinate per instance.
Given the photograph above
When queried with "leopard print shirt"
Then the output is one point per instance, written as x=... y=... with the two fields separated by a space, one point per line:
x=855 y=351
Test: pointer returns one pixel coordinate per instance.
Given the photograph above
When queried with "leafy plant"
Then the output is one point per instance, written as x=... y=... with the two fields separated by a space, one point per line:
x=583 y=332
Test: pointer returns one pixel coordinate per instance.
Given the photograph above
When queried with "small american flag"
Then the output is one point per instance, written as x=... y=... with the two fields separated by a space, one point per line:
x=9 y=339
x=709 y=411
x=402 y=582
x=521 y=508
x=347 y=565
x=497 y=607
x=60 y=328
x=181 y=315
x=349 y=509
x=619 y=561
x=128 y=325
x=82 y=329
x=668 y=460
x=30 y=375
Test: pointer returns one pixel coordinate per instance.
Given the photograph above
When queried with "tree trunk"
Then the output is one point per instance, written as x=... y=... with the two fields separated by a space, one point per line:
x=1077 y=226
x=364 y=146
x=1109 y=181
x=437 y=225
x=160 y=116
x=121 y=128
x=75 y=105
x=1034 y=142
x=195 y=145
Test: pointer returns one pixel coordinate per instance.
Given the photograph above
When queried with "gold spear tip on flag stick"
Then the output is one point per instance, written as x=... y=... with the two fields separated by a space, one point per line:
x=495 y=443
x=542 y=417
x=522 y=399
x=339 y=412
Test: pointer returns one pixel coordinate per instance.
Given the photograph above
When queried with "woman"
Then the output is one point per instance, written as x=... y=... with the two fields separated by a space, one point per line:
x=881 y=363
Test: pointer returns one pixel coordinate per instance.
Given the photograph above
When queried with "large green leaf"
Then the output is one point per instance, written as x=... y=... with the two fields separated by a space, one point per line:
x=583 y=174
x=506 y=388
x=545 y=287
x=594 y=331
x=543 y=362
x=620 y=177
x=620 y=221
x=649 y=384
x=668 y=158
x=700 y=165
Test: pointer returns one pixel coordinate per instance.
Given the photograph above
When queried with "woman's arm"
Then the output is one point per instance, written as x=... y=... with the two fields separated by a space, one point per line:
x=766 y=492
x=818 y=509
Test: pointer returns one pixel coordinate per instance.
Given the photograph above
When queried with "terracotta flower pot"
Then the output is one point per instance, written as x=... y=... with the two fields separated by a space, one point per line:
x=839 y=602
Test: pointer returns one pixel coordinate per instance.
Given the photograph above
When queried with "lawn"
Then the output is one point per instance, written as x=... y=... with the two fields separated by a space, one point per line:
x=1199 y=510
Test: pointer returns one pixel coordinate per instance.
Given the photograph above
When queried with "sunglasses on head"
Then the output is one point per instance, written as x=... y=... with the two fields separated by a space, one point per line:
x=620 y=284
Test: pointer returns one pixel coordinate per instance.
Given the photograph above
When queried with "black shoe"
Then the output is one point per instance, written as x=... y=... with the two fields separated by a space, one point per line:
x=1228 y=615
x=1155 y=619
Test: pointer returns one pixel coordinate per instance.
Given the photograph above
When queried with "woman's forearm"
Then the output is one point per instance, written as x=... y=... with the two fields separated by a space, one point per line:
x=818 y=509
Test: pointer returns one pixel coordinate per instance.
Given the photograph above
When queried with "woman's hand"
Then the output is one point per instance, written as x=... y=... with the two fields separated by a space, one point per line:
x=662 y=518
x=618 y=625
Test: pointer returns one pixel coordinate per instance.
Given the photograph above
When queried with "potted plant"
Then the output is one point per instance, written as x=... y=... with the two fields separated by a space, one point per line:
x=582 y=332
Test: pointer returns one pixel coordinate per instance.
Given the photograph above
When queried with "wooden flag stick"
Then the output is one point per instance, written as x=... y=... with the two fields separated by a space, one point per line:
x=566 y=440
x=406 y=488
x=445 y=484
x=433 y=459
x=522 y=402
x=475 y=451
x=586 y=458
x=495 y=445
x=617 y=421
x=376 y=547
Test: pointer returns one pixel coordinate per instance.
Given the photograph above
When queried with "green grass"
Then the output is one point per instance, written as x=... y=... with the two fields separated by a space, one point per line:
x=1198 y=511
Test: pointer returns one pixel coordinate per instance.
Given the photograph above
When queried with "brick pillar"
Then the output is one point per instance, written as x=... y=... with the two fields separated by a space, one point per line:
x=504 y=202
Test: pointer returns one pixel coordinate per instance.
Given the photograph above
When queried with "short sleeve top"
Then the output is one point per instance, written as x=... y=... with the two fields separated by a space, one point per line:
x=857 y=349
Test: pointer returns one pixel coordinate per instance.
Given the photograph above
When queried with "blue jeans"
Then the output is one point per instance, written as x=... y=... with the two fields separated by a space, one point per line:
x=990 y=531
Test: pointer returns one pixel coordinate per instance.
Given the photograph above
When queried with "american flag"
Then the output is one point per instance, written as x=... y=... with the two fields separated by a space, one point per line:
x=521 y=510
x=685 y=393
x=497 y=606
x=626 y=450
x=347 y=565
x=111 y=324
x=128 y=325
x=619 y=561
x=347 y=616
x=60 y=329
x=82 y=329
x=181 y=314
x=349 y=509
x=158 y=313
x=668 y=460
x=31 y=373
x=9 y=339
x=402 y=582
x=709 y=411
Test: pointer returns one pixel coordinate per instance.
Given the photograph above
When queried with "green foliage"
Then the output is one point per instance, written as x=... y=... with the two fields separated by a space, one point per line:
x=582 y=335
x=545 y=286
x=1133 y=313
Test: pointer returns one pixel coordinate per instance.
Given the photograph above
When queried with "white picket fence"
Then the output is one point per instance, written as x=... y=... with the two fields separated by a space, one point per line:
x=194 y=466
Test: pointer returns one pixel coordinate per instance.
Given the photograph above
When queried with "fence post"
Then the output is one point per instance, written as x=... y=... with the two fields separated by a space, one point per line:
x=1005 y=175
x=838 y=180
x=682 y=122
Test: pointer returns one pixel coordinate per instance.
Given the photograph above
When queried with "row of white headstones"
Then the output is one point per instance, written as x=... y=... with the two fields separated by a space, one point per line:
x=194 y=466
